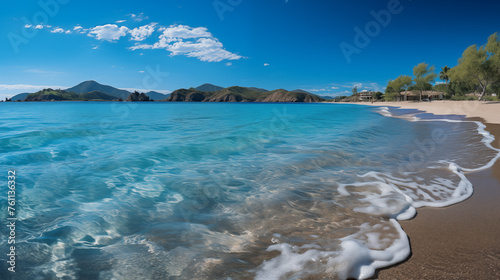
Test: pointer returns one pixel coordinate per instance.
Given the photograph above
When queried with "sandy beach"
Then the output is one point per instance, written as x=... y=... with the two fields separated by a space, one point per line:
x=488 y=111
x=460 y=241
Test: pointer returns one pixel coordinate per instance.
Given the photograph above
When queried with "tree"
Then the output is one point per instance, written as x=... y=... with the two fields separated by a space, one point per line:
x=377 y=95
x=443 y=75
x=424 y=76
x=400 y=84
x=480 y=66
x=390 y=92
x=355 y=91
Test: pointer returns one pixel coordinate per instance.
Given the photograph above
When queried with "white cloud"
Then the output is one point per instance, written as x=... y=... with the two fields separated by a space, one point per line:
x=59 y=30
x=120 y=21
x=139 y=17
x=143 y=32
x=205 y=49
x=192 y=42
x=266 y=64
x=178 y=32
x=38 y=26
x=142 y=71
x=229 y=64
x=108 y=32
x=335 y=87
x=79 y=29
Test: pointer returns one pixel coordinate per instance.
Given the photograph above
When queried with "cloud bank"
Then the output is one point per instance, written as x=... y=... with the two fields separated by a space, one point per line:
x=192 y=42
x=184 y=40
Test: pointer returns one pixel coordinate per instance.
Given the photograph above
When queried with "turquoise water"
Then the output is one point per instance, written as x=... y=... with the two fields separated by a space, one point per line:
x=224 y=191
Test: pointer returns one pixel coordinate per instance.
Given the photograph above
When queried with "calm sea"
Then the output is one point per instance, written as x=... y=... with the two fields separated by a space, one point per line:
x=224 y=191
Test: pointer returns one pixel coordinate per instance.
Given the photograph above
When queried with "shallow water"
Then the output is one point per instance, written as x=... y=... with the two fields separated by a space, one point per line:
x=225 y=191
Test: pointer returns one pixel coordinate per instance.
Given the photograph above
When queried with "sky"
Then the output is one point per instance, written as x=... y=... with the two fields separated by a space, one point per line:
x=326 y=47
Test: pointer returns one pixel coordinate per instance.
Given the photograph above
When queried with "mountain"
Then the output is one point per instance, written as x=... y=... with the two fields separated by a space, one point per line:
x=188 y=95
x=64 y=95
x=258 y=89
x=306 y=92
x=20 y=96
x=281 y=95
x=235 y=94
x=301 y=91
x=208 y=88
x=156 y=95
x=326 y=97
x=89 y=86
x=241 y=94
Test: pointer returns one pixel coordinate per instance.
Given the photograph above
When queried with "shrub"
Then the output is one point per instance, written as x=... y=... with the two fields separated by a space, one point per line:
x=491 y=98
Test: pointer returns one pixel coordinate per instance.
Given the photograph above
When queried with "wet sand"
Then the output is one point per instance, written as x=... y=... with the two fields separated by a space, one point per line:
x=461 y=241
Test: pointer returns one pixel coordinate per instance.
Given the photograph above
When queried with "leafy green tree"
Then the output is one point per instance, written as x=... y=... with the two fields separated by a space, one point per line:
x=479 y=66
x=460 y=88
x=439 y=87
x=377 y=95
x=390 y=92
x=394 y=88
x=424 y=76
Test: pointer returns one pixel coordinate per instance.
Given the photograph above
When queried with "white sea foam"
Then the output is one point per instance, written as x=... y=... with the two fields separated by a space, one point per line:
x=487 y=139
x=355 y=259
x=385 y=111
x=381 y=195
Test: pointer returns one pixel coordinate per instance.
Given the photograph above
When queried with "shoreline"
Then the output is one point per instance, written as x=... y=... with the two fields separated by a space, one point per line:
x=488 y=111
x=459 y=241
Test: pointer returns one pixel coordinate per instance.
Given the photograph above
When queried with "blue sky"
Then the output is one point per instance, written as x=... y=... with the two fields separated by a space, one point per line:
x=171 y=44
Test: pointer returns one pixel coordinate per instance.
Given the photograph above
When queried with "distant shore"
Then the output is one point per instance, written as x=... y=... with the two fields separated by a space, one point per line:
x=460 y=241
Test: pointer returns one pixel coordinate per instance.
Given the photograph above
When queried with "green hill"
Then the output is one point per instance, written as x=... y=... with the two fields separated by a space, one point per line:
x=241 y=94
x=52 y=94
x=89 y=86
x=96 y=95
x=258 y=89
x=64 y=95
x=208 y=88
x=20 y=96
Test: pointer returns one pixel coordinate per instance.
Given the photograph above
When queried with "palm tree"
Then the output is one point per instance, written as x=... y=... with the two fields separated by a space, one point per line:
x=443 y=75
